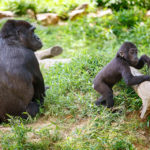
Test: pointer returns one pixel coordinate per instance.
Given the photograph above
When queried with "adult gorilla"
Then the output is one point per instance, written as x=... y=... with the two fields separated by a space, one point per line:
x=21 y=82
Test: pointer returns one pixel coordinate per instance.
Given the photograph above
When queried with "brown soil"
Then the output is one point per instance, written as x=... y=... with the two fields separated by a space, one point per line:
x=69 y=129
x=142 y=134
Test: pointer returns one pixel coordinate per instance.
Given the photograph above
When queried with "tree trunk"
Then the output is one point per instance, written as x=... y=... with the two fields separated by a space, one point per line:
x=48 y=53
x=143 y=91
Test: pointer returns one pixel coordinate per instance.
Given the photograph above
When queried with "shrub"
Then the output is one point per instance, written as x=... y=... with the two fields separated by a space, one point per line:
x=20 y=7
x=123 y=20
x=122 y=145
x=123 y=4
x=61 y=7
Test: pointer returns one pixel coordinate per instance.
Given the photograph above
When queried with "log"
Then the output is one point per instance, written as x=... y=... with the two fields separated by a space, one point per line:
x=143 y=91
x=48 y=53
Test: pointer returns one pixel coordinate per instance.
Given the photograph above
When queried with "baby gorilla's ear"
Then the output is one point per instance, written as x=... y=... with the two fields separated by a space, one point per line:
x=121 y=54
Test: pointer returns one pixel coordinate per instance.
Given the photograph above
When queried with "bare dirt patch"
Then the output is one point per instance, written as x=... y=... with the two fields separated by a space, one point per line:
x=143 y=133
x=81 y=124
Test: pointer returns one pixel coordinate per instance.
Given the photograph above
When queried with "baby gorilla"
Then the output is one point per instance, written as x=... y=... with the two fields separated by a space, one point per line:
x=117 y=69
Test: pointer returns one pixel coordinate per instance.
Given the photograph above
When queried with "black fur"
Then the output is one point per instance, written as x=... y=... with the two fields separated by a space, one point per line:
x=21 y=81
x=117 y=69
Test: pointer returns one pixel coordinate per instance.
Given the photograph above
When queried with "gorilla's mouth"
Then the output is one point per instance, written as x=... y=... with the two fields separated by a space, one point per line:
x=37 y=47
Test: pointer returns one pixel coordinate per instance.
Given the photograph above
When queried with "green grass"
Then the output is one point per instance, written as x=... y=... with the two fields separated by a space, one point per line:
x=76 y=123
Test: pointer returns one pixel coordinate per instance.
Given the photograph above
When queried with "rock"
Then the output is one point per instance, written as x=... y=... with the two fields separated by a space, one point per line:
x=100 y=13
x=31 y=13
x=143 y=92
x=148 y=13
x=79 y=11
x=48 y=18
x=4 y=14
x=47 y=63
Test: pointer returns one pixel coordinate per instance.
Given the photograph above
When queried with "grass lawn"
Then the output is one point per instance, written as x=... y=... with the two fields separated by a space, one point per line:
x=70 y=120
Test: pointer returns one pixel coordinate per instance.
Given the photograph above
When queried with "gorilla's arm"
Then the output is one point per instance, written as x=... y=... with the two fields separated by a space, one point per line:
x=133 y=80
x=143 y=59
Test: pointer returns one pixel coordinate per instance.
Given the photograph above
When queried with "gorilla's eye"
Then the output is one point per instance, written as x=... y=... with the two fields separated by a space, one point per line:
x=132 y=52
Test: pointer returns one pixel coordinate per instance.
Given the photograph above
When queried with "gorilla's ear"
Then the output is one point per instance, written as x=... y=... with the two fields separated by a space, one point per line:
x=121 y=54
x=8 y=28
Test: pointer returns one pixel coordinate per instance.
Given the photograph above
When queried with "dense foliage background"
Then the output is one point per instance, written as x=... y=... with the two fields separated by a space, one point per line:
x=74 y=121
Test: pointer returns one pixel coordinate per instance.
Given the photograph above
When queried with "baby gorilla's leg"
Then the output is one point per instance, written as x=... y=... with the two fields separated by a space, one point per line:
x=107 y=95
x=101 y=101
x=109 y=100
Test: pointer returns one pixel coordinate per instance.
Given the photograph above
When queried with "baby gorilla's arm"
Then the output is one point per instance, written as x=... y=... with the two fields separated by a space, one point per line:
x=143 y=59
x=132 y=80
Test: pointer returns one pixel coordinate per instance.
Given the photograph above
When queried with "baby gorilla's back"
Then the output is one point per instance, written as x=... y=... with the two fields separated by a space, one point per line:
x=110 y=74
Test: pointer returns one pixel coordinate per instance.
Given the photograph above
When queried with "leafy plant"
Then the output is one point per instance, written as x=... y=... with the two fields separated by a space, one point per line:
x=18 y=136
x=20 y=7
x=123 y=4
